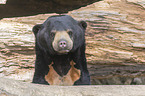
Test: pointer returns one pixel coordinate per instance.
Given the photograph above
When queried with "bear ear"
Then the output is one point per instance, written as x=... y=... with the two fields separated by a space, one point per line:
x=36 y=28
x=83 y=24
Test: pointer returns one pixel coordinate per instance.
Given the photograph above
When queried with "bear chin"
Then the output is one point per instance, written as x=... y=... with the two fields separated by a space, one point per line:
x=63 y=51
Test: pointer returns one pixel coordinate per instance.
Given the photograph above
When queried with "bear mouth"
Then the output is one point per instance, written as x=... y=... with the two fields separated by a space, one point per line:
x=63 y=51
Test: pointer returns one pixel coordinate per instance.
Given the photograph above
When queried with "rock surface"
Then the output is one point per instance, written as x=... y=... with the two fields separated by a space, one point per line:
x=32 y=7
x=115 y=40
x=17 y=88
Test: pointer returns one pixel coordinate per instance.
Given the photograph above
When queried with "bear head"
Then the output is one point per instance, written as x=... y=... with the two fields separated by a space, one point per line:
x=60 y=34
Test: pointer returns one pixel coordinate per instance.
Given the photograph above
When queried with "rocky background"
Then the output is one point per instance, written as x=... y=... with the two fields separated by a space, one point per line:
x=33 y=7
x=115 y=41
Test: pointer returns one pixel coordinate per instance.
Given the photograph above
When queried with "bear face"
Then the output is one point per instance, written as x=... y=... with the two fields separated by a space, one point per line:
x=60 y=34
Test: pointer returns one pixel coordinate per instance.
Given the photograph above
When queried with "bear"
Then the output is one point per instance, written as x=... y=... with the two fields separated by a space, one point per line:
x=60 y=52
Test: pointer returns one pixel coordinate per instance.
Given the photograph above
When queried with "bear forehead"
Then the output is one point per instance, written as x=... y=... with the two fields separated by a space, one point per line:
x=60 y=26
x=60 y=20
x=60 y=23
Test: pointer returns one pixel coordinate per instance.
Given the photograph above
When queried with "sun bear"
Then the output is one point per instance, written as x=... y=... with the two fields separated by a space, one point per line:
x=60 y=52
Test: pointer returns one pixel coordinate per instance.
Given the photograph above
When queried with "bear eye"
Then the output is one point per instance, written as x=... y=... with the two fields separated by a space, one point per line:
x=52 y=34
x=70 y=33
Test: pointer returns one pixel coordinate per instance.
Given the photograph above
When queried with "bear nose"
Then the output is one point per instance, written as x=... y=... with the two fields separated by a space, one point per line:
x=62 y=44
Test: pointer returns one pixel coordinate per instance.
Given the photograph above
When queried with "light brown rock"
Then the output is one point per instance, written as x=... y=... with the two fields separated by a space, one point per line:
x=17 y=88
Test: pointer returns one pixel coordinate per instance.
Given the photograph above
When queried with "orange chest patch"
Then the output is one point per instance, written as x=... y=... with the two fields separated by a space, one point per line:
x=54 y=79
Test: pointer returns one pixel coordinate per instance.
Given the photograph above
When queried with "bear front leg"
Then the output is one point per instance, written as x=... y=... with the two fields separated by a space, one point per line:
x=85 y=77
x=81 y=64
x=39 y=74
x=41 y=67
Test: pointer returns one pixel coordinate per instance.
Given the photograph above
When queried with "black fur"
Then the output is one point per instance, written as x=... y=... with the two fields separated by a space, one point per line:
x=45 y=53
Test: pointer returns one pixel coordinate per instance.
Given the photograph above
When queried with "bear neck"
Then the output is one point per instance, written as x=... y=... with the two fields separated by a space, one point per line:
x=61 y=63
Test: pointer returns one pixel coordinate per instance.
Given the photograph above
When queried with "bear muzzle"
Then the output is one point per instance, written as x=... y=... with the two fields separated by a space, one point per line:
x=62 y=43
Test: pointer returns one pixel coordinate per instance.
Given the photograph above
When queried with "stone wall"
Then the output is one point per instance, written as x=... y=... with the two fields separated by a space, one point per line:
x=17 y=88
